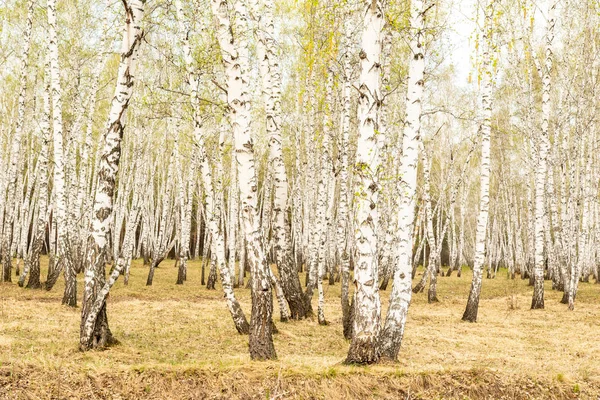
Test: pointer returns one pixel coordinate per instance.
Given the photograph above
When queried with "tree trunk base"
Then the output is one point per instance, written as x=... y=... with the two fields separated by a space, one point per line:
x=102 y=336
x=70 y=294
x=419 y=287
x=297 y=308
x=6 y=275
x=180 y=278
x=70 y=299
x=363 y=351
x=34 y=276
x=432 y=298
x=150 y=276
x=261 y=328
x=470 y=314
x=212 y=279
x=537 y=304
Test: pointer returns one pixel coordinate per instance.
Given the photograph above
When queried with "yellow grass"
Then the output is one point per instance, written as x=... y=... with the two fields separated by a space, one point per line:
x=179 y=342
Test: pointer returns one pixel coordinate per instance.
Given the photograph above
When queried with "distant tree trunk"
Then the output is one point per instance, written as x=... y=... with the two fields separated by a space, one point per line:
x=461 y=235
x=324 y=192
x=64 y=261
x=432 y=261
x=32 y=262
x=580 y=212
x=472 y=308
x=184 y=199
x=123 y=260
x=318 y=227
x=15 y=151
x=537 y=300
x=95 y=332
x=164 y=242
x=271 y=75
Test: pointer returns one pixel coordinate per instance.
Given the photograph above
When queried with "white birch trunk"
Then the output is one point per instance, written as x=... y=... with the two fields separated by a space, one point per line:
x=393 y=330
x=15 y=150
x=234 y=51
x=367 y=311
x=537 y=300
x=94 y=322
x=213 y=203
x=63 y=261
x=32 y=261
x=342 y=217
x=472 y=308
x=271 y=75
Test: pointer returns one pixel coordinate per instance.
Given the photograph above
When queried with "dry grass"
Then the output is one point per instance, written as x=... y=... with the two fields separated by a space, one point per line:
x=179 y=342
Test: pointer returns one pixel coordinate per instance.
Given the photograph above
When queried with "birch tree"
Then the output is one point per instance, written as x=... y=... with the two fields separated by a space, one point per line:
x=472 y=308
x=59 y=183
x=32 y=261
x=537 y=300
x=234 y=52
x=342 y=217
x=15 y=150
x=393 y=329
x=271 y=78
x=367 y=311
x=94 y=331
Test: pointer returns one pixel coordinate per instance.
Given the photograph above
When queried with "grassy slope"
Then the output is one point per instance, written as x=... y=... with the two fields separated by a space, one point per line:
x=179 y=342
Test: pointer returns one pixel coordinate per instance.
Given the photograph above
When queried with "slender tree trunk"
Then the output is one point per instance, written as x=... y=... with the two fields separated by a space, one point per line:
x=32 y=263
x=234 y=51
x=342 y=217
x=59 y=184
x=15 y=150
x=95 y=332
x=537 y=300
x=232 y=230
x=431 y=241
x=271 y=75
x=393 y=331
x=472 y=308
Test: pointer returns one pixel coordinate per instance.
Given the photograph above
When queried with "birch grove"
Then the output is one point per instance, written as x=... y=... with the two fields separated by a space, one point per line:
x=310 y=158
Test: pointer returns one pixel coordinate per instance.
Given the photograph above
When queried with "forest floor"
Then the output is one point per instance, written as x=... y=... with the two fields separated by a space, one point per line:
x=178 y=342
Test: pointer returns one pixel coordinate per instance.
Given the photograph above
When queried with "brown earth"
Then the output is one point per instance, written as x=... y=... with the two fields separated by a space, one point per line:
x=178 y=342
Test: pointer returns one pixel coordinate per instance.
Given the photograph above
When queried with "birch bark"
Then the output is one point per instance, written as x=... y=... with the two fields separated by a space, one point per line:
x=271 y=76
x=342 y=217
x=95 y=332
x=393 y=330
x=32 y=262
x=537 y=300
x=367 y=312
x=234 y=51
x=15 y=150
x=472 y=308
